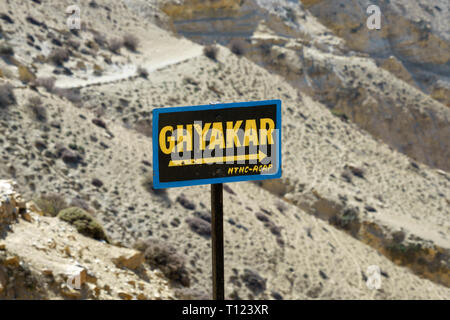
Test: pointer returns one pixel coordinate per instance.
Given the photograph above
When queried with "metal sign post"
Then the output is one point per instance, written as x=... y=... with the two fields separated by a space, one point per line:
x=217 y=241
x=216 y=144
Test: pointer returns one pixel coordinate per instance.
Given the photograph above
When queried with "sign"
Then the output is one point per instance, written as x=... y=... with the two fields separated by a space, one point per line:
x=218 y=143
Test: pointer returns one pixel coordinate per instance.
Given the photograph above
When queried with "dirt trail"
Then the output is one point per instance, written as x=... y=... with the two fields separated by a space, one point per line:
x=118 y=73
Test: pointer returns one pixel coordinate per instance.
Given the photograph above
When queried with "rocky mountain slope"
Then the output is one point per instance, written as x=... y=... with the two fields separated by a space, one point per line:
x=347 y=200
x=45 y=258
x=384 y=80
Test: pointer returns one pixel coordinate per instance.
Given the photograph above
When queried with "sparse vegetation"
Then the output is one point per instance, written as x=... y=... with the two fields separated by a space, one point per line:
x=185 y=202
x=100 y=39
x=237 y=47
x=7 y=96
x=51 y=204
x=25 y=75
x=253 y=281
x=59 y=56
x=47 y=82
x=142 y=72
x=347 y=220
x=92 y=45
x=93 y=4
x=211 y=51
x=6 y=50
x=115 y=45
x=131 y=42
x=80 y=203
x=199 y=226
x=339 y=114
x=39 y=111
x=98 y=71
x=265 y=49
x=74 y=44
x=83 y=222
x=70 y=94
x=159 y=254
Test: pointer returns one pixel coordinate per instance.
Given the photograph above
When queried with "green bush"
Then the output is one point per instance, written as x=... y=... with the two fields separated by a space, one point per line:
x=84 y=223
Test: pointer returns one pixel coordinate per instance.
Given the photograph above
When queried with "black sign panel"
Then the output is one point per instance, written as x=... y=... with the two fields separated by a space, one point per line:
x=216 y=143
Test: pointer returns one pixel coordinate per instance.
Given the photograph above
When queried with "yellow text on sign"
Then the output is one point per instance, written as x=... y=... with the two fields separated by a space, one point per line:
x=222 y=135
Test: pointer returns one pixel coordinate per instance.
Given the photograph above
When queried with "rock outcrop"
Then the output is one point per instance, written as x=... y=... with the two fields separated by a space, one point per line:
x=45 y=258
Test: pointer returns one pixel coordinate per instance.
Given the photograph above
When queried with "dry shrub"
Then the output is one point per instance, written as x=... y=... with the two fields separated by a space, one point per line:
x=74 y=44
x=98 y=71
x=211 y=51
x=100 y=39
x=7 y=96
x=199 y=226
x=93 y=4
x=115 y=45
x=142 y=72
x=25 y=75
x=6 y=50
x=253 y=281
x=81 y=65
x=92 y=45
x=130 y=42
x=59 y=56
x=39 y=111
x=46 y=82
x=80 y=203
x=72 y=95
x=51 y=204
x=237 y=47
x=164 y=257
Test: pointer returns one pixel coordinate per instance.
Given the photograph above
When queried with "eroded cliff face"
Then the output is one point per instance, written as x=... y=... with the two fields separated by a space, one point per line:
x=325 y=49
x=416 y=32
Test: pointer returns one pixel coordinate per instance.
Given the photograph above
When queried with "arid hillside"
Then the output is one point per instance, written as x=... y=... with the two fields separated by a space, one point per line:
x=365 y=155
x=392 y=82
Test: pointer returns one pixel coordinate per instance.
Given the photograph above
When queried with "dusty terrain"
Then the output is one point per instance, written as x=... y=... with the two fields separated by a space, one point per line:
x=365 y=167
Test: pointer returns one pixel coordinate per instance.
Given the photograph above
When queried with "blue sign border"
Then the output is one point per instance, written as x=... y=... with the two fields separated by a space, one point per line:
x=162 y=185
